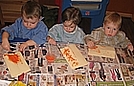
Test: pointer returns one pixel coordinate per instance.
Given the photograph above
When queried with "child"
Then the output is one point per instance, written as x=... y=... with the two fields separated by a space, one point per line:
x=109 y=34
x=68 y=31
x=29 y=27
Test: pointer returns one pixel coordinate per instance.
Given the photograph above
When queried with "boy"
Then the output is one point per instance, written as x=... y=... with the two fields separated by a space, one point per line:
x=68 y=31
x=28 y=27
x=109 y=34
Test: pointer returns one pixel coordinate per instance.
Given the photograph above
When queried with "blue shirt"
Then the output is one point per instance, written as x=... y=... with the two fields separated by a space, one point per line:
x=18 y=30
x=58 y=33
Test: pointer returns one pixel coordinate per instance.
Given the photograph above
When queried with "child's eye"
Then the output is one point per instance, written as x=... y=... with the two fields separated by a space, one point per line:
x=71 y=27
x=33 y=23
x=108 y=27
x=25 y=21
x=115 y=29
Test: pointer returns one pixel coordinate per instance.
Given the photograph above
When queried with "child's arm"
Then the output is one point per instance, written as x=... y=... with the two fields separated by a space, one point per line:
x=26 y=44
x=5 y=42
x=130 y=47
x=89 y=42
x=94 y=38
x=124 y=41
x=51 y=40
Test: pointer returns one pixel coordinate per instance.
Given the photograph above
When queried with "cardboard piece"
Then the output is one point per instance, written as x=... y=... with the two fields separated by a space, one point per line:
x=73 y=56
x=103 y=51
x=18 y=68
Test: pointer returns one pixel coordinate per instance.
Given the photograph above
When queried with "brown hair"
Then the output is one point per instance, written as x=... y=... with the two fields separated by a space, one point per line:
x=114 y=18
x=73 y=14
x=31 y=9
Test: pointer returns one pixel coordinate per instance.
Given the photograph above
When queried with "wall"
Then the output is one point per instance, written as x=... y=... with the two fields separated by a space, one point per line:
x=123 y=7
x=47 y=2
x=11 y=9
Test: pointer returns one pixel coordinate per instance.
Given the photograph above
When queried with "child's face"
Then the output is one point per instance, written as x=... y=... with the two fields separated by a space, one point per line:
x=30 y=23
x=110 y=29
x=69 y=26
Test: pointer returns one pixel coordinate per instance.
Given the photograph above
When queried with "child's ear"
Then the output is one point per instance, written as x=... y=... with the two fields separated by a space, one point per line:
x=41 y=18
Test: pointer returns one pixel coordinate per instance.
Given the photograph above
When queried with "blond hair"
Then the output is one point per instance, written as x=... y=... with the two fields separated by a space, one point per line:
x=114 y=18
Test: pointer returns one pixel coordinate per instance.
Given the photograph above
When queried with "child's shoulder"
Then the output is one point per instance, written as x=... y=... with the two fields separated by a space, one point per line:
x=80 y=30
x=121 y=33
x=18 y=19
x=98 y=30
x=41 y=24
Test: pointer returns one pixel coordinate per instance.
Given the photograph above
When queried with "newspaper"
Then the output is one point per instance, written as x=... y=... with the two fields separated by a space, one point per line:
x=99 y=71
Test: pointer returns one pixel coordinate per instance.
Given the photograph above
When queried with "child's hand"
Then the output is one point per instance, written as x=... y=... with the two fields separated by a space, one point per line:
x=23 y=46
x=90 y=44
x=52 y=41
x=130 y=47
x=6 y=45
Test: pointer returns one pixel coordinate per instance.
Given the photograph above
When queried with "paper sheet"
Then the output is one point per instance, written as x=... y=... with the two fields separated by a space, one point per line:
x=103 y=51
x=73 y=56
x=16 y=68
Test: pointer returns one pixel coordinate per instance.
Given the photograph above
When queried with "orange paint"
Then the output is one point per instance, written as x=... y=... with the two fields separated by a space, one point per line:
x=14 y=58
x=94 y=47
x=50 y=57
x=70 y=58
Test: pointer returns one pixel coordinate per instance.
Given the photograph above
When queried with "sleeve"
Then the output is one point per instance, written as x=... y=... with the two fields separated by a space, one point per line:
x=81 y=35
x=94 y=36
x=40 y=34
x=53 y=32
x=123 y=40
x=12 y=29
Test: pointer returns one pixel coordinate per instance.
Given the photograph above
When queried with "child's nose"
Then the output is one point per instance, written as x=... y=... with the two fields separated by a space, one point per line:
x=68 y=28
x=28 y=24
x=110 y=31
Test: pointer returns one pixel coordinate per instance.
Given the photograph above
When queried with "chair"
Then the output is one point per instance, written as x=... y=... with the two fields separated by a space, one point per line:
x=2 y=23
x=94 y=9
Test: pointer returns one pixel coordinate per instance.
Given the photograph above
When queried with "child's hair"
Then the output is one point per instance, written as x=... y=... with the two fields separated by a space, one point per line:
x=31 y=9
x=115 y=18
x=71 y=14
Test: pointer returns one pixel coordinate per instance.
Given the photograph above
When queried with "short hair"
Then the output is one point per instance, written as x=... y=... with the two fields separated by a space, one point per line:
x=114 y=18
x=73 y=14
x=31 y=9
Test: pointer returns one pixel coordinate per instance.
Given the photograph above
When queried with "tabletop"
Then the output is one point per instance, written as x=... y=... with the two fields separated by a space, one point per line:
x=99 y=71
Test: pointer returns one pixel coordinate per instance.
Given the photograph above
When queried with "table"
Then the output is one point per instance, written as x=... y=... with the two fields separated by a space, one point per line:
x=99 y=71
